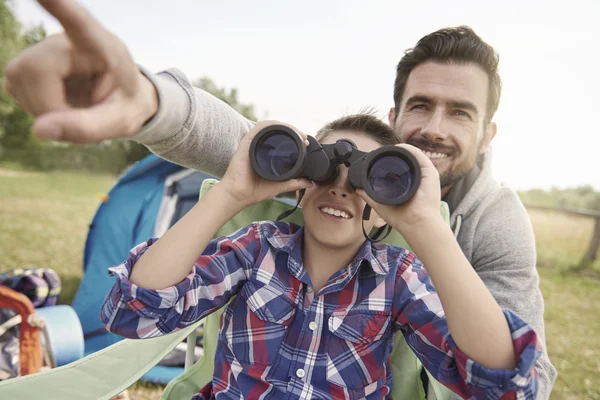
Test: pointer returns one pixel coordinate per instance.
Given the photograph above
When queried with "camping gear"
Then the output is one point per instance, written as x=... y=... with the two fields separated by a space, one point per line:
x=145 y=201
x=63 y=336
x=41 y=285
x=32 y=326
x=30 y=347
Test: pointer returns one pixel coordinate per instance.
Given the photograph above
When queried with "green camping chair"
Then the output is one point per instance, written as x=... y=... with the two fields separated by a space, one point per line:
x=108 y=372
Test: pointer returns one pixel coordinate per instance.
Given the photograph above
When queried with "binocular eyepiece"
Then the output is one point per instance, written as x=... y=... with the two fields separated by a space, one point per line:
x=389 y=175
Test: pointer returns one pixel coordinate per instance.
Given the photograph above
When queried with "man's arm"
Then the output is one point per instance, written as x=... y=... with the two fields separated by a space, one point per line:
x=83 y=86
x=504 y=257
x=191 y=127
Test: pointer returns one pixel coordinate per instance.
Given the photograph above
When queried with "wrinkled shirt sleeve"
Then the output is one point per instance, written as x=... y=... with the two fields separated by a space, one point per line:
x=419 y=315
x=222 y=269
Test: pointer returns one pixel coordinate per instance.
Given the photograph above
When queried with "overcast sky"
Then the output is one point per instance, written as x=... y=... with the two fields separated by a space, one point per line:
x=308 y=62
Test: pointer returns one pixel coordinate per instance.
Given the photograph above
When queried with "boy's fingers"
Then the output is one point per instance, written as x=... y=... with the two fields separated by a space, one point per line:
x=374 y=205
x=363 y=195
x=297 y=184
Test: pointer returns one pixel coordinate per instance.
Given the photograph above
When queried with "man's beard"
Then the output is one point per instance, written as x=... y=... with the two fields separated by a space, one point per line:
x=454 y=173
x=450 y=177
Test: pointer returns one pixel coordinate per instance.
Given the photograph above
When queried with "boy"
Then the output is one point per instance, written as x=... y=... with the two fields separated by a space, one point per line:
x=316 y=307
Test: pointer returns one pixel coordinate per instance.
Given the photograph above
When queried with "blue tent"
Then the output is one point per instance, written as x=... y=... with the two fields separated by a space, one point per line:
x=146 y=200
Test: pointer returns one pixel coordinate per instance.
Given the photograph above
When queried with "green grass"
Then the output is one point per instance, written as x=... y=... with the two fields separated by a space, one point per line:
x=44 y=219
x=572 y=333
x=572 y=302
x=561 y=238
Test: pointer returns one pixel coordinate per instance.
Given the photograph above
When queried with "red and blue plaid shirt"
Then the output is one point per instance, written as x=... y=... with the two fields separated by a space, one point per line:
x=280 y=340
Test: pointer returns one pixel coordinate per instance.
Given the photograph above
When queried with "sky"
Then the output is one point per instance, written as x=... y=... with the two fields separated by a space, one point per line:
x=309 y=62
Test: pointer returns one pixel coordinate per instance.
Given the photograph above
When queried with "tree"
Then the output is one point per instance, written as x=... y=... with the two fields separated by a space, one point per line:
x=11 y=44
x=15 y=124
x=228 y=96
x=134 y=151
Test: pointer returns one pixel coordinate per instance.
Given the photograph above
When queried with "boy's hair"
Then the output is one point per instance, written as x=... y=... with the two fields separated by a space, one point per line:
x=364 y=122
x=452 y=45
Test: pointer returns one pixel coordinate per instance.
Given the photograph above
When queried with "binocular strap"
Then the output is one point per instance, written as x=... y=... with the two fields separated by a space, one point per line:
x=287 y=213
x=365 y=217
x=376 y=238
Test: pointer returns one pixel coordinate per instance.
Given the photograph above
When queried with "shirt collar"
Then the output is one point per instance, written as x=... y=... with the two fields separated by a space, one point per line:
x=374 y=254
x=290 y=243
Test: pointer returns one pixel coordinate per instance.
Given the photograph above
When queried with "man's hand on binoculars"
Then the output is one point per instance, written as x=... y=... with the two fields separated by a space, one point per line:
x=422 y=208
x=244 y=185
x=81 y=85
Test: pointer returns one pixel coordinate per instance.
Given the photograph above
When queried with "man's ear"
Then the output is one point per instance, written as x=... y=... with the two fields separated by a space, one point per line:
x=488 y=135
x=392 y=116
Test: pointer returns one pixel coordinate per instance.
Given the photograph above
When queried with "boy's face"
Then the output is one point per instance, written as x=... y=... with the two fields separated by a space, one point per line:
x=333 y=212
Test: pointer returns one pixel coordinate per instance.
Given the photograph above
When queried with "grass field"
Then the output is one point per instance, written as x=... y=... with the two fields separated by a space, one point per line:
x=44 y=219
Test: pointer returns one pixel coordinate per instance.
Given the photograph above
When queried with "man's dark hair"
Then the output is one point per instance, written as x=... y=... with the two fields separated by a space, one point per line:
x=459 y=45
x=364 y=122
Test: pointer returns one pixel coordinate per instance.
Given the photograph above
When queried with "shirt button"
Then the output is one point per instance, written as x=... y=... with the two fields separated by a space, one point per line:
x=312 y=326
x=309 y=289
x=300 y=373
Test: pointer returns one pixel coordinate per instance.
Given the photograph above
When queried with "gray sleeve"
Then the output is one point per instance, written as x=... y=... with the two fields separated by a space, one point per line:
x=507 y=266
x=192 y=128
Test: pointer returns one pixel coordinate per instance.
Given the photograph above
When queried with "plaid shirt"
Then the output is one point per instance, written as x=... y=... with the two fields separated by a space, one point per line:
x=278 y=339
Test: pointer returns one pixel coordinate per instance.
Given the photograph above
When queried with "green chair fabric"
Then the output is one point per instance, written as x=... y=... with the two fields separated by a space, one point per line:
x=101 y=375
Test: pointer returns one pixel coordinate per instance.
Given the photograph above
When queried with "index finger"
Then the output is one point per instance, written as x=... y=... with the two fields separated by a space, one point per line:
x=79 y=25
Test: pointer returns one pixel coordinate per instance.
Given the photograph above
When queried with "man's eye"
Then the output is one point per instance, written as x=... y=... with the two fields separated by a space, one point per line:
x=461 y=113
x=418 y=107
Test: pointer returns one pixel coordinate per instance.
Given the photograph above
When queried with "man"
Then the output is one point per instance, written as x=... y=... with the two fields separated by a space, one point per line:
x=83 y=86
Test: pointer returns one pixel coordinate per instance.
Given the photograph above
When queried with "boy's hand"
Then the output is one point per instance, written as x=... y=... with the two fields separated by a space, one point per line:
x=244 y=185
x=422 y=208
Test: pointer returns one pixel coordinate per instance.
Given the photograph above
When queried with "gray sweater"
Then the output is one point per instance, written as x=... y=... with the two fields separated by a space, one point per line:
x=196 y=130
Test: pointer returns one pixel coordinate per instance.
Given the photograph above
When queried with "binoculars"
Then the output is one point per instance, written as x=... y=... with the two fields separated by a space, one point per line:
x=389 y=175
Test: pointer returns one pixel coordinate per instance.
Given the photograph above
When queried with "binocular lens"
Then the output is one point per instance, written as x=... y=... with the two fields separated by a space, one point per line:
x=390 y=175
x=277 y=154
x=390 y=178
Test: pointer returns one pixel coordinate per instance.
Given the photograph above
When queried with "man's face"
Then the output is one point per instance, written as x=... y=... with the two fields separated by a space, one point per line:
x=443 y=113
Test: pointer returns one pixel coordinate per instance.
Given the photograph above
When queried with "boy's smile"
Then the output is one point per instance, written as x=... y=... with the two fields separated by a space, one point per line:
x=337 y=212
x=333 y=212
